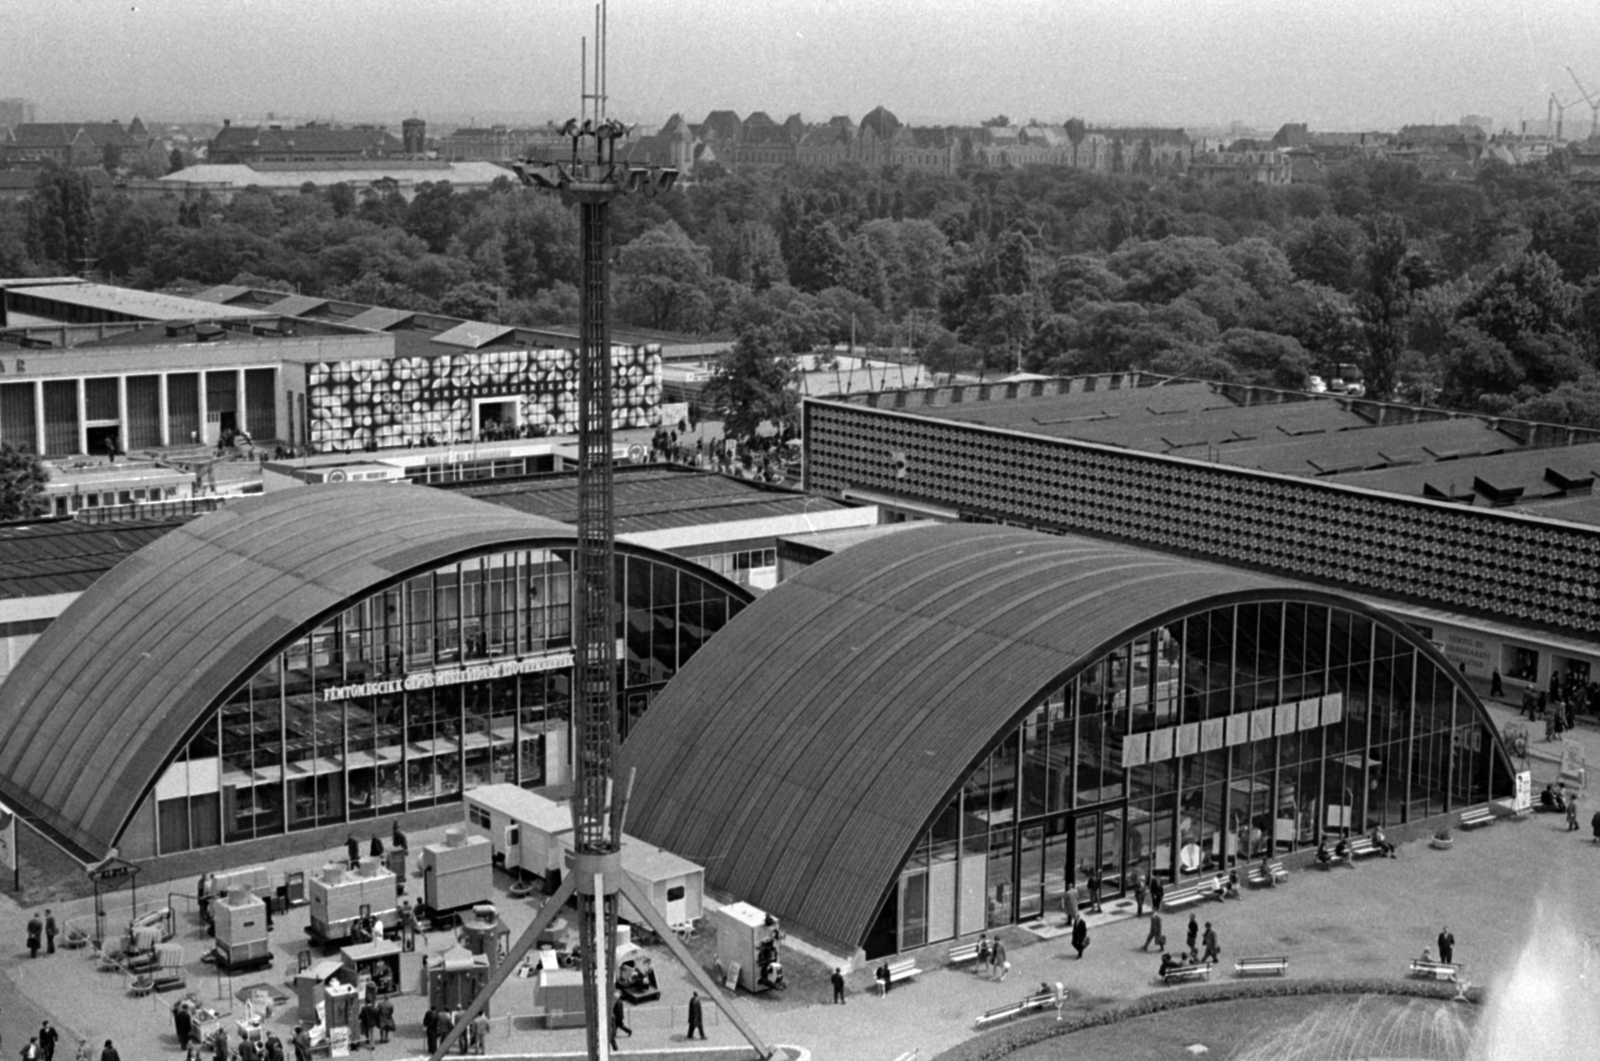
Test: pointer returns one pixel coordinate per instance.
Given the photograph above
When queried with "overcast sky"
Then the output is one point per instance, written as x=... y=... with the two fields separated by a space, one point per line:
x=1337 y=64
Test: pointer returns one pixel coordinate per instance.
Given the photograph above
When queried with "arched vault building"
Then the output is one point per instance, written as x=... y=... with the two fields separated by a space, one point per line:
x=321 y=656
x=935 y=731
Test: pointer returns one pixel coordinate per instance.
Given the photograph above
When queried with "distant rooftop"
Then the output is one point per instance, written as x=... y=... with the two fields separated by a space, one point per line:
x=1542 y=469
x=151 y=305
x=652 y=498
x=63 y=556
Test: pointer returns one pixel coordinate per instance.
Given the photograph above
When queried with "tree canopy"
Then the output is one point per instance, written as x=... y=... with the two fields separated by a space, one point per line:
x=1483 y=294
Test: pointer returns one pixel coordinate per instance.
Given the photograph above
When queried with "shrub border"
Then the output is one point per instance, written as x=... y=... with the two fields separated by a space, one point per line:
x=1003 y=1042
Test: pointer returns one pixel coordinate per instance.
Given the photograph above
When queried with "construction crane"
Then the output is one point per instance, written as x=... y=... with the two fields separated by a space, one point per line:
x=1594 y=104
x=1554 y=114
x=592 y=178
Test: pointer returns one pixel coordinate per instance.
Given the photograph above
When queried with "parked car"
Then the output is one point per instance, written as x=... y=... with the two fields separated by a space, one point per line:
x=1316 y=385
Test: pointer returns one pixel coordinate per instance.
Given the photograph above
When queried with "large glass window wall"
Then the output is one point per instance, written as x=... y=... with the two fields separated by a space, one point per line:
x=1234 y=733
x=453 y=679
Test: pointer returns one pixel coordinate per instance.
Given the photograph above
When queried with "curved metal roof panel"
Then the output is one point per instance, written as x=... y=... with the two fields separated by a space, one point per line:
x=93 y=711
x=812 y=742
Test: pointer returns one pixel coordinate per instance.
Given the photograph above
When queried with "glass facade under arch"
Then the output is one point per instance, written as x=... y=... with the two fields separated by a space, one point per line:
x=454 y=678
x=1235 y=732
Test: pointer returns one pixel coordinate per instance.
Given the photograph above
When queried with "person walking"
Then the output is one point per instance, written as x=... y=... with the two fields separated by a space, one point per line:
x=110 y=1053
x=1447 y=946
x=1094 y=888
x=48 y=1037
x=837 y=979
x=430 y=1029
x=302 y=1043
x=480 y=1032
x=1572 y=813
x=1141 y=890
x=1158 y=892
x=1154 y=935
x=1069 y=901
x=49 y=932
x=983 y=937
x=1080 y=937
x=1002 y=964
x=31 y=1051
x=1213 y=951
x=35 y=935
x=1193 y=934
x=385 y=1018
x=619 y=1021
x=697 y=1016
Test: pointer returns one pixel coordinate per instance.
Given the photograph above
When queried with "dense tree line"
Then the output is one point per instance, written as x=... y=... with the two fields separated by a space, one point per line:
x=1483 y=295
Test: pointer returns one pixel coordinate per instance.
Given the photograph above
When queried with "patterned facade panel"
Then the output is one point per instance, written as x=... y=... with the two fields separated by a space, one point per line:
x=1459 y=559
x=401 y=400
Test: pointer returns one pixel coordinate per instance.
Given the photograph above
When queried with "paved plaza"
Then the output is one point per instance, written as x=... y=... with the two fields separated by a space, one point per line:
x=1364 y=922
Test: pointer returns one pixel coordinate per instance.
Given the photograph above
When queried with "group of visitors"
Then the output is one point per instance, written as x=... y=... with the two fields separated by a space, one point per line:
x=992 y=960
x=437 y=1023
x=1558 y=705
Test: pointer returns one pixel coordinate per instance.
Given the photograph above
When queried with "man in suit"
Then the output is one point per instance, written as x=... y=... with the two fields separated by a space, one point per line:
x=697 y=1016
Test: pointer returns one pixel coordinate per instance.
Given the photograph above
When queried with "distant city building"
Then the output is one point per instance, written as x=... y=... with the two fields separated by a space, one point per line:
x=400 y=176
x=1248 y=167
x=76 y=145
x=307 y=143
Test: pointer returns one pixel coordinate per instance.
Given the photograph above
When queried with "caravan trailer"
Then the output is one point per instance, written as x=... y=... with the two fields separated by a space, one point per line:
x=524 y=828
x=533 y=833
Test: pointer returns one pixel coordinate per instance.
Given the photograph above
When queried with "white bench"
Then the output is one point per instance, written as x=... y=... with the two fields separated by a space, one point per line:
x=1249 y=966
x=1362 y=847
x=905 y=969
x=1432 y=970
x=1179 y=973
x=1477 y=816
x=1275 y=874
x=1031 y=1004
x=1208 y=886
x=966 y=952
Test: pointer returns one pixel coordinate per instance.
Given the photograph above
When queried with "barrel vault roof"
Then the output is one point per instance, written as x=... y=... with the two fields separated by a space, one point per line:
x=813 y=741
x=99 y=704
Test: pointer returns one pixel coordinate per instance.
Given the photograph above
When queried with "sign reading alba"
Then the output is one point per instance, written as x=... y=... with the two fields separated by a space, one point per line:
x=433 y=679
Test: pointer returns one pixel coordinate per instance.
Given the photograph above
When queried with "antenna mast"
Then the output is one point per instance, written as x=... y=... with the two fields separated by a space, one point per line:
x=592 y=178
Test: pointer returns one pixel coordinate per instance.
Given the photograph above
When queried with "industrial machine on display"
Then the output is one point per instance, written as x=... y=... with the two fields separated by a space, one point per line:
x=342 y=898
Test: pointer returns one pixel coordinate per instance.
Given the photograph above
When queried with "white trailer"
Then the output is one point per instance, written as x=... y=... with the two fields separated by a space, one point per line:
x=524 y=828
x=534 y=833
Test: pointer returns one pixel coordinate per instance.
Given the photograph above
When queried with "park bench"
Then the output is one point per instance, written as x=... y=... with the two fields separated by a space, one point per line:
x=1362 y=846
x=1031 y=1004
x=966 y=952
x=1433 y=970
x=1476 y=816
x=1249 y=966
x=1179 y=973
x=1257 y=879
x=904 y=969
x=1203 y=887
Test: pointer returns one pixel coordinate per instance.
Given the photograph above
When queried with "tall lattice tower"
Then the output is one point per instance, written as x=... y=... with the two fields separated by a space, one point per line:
x=591 y=177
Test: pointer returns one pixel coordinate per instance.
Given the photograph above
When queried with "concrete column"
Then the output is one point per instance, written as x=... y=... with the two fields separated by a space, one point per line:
x=242 y=422
x=38 y=416
x=203 y=410
x=83 y=416
x=122 y=412
x=161 y=411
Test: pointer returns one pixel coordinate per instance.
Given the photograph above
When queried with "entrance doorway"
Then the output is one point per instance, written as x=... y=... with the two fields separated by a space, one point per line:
x=496 y=418
x=103 y=439
x=1057 y=852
